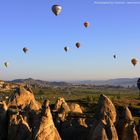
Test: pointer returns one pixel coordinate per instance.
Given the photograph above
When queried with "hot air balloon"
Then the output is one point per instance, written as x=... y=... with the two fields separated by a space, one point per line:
x=56 y=9
x=138 y=85
x=6 y=64
x=114 y=56
x=86 y=24
x=78 y=45
x=134 y=61
x=25 y=49
x=66 y=48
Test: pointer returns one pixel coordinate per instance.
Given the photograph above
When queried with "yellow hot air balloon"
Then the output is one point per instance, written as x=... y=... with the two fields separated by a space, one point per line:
x=56 y=9
x=134 y=61
x=86 y=24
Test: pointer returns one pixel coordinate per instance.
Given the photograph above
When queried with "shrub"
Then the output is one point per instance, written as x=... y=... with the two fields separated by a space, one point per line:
x=41 y=92
x=119 y=97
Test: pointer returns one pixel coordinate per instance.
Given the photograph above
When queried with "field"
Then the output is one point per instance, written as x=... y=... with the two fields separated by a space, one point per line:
x=87 y=96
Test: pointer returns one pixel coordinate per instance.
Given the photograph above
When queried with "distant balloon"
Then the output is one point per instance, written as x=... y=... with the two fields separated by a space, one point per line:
x=66 y=48
x=6 y=64
x=25 y=49
x=134 y=61
x=78 y=45
x=56 y=9
x=114 y=56
x=138 y=83
x=86 y=24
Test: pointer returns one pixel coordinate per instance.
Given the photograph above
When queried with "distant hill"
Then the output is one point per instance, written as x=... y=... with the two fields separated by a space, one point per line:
x=40 y=83
x=125 y=82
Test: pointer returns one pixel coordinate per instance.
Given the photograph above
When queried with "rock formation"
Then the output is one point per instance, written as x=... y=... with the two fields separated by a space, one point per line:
x=24 y=118
x=105 y=130
x=126 y=126
x=3 y=121
x=23 y=98
x=98 y=133
x=47 y=130
x=127 y=115
x=63 y=108
x=75 y=108
x=18 y=128
x=106 y=106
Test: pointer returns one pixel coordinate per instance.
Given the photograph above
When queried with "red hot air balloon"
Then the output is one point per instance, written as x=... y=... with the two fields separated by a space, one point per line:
x=78 y=45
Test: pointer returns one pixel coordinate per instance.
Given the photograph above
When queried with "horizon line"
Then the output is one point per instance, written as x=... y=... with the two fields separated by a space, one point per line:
x=74 y=80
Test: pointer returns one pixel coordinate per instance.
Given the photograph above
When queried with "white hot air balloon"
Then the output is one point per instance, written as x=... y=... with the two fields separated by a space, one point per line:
x=56 y=9
x=66 y=48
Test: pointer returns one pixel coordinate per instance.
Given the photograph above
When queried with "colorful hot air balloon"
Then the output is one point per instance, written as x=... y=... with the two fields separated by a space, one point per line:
x=6 y=64
x=86 y=24
x=134 y=61
x=66 y=48
x=56 y=9
x=78 y=45
x=25 y=49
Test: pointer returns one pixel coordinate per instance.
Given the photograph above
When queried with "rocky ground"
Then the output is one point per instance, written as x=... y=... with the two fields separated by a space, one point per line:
x=24 y=118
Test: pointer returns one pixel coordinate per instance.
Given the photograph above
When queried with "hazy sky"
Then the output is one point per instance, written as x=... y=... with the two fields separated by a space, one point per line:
x=114 y=28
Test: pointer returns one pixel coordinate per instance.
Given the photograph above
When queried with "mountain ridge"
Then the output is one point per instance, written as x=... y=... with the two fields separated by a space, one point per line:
x=125 y=82
x=38 y=82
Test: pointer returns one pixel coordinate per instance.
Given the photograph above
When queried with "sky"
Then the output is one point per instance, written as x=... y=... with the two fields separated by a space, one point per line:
x=114 y=29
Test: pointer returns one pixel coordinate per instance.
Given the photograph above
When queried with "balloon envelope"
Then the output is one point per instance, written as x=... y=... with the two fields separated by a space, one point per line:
x=25 y=49
x=66 y=48
x=134 y=61
x=78 y=45
x=56 y=9
x=114 y=56
x=6 y=64
x=138 y=83
x=86 y=24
